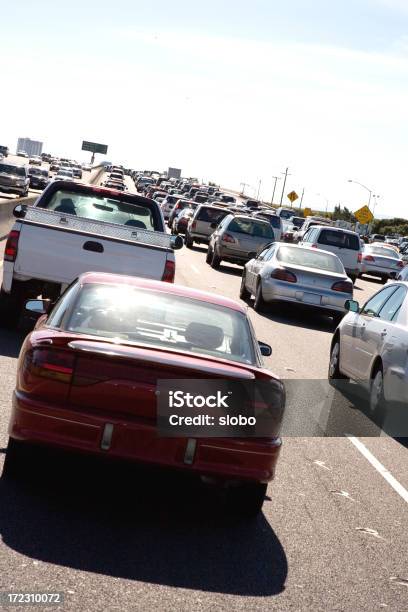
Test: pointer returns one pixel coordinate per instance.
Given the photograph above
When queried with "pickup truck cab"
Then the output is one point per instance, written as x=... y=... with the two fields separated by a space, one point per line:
x=74 y=228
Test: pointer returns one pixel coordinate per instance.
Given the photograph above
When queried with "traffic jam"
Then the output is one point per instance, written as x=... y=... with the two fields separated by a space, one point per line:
x=124 y=359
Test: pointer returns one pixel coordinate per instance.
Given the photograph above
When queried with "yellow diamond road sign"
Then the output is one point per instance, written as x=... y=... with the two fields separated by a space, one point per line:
x=292 y=196
x=307 y=212
x=364 y=215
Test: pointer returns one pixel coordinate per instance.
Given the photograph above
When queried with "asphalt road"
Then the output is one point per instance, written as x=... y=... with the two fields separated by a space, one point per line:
x=332 y=535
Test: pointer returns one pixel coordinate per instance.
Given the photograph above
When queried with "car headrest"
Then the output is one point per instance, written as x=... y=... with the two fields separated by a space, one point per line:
x=66 y=205
x=204 y=336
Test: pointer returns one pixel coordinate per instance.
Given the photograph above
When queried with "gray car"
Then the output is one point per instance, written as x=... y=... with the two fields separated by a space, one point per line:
x=237 y=239
x=14 y=179
x=380 y=261
x=203 y=223
x=370 y=347
x=283 y=273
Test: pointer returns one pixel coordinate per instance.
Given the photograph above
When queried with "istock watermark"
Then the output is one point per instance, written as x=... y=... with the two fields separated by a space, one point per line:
x=219 y=408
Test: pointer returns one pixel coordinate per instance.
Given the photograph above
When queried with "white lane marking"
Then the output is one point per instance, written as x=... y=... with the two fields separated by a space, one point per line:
x=381 y=469
x=194 y=269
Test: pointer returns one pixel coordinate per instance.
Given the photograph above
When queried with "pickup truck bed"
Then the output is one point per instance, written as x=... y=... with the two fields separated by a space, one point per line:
x=47 y=249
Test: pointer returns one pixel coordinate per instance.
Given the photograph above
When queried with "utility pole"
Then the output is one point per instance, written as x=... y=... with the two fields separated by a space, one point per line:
x=277 y=178
x=301 y=197
x=259 y=189
x=284 y=184
x=243 y=185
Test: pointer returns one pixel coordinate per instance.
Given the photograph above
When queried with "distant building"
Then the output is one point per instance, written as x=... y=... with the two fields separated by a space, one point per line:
x=31 y=147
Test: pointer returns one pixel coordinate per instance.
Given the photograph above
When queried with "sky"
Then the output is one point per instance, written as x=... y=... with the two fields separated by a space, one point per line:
x=231 y=91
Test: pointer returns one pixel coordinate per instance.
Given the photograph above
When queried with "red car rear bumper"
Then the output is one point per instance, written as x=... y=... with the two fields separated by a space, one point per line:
x=39 y=422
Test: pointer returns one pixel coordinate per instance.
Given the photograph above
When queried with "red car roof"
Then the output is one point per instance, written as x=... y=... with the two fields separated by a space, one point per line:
x=146 y=283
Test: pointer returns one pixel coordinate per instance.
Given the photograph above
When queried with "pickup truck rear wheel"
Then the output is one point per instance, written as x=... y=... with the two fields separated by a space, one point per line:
x=189 y=242
x=10 y=306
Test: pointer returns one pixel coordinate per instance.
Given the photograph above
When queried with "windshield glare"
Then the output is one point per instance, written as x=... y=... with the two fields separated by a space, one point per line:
x=161 y=319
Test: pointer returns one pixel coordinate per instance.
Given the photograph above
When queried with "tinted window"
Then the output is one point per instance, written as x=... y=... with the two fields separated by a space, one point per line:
x=18 y=170
x=274 y=220
x=210 y=215
x=373 y=306
x=391 y=308
x=286 y=214
x=339 y=239
x=258 y=229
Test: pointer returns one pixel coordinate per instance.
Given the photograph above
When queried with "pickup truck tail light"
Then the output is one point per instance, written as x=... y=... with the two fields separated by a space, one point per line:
x=284 y=275
x=360 y=257
x=10 y=252
x=193 y=225
x=228 y=238
x=368 y=258
x=53 y=364
x=169 y=271
x=343 y=287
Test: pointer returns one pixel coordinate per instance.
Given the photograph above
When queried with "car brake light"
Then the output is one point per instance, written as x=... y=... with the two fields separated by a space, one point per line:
x=10 y=252
x=169 y=271
x=343 y=287
x=284 y=275
x=56 y=365
x=359 y=258
x=368 y=258
x=193 y=225
x=313 y=246
x=400 y=264
x=228 y=238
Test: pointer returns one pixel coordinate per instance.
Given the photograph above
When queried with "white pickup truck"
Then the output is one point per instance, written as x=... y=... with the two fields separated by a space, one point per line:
x=74 y=228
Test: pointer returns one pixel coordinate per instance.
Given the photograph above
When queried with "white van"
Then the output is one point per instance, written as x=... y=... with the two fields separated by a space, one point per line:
x=343 y=243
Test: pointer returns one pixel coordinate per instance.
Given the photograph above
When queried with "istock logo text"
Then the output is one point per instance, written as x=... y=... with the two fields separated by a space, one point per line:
x=179 y=399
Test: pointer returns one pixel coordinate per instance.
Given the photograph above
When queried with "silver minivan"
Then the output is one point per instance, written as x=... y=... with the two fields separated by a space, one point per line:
x=343 y=243
x=203 y=223
x=237 y=239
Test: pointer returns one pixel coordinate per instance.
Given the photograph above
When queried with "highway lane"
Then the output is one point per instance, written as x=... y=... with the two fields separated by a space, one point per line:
x=332 y=535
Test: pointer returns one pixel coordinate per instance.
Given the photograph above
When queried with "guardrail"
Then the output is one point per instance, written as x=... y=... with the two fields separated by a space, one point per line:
x=7 y=207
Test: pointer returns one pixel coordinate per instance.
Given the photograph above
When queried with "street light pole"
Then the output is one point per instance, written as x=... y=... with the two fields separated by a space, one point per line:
x=284 y=184
x=259 y=189
x=301 y=197
x=361 y=185
x=277 y=178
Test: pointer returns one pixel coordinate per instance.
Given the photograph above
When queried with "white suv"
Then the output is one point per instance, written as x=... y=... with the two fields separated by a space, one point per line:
x=343 y=243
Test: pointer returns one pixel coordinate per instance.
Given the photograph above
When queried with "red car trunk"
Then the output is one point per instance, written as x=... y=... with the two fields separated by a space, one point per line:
x=121 y=380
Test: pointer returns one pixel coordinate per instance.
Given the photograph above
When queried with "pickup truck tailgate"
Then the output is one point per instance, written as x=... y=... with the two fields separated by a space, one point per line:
x=56 y=247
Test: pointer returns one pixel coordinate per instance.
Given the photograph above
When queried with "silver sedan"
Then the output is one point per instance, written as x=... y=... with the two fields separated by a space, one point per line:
x=370 y=346
x=380 y=261
x=300 y=275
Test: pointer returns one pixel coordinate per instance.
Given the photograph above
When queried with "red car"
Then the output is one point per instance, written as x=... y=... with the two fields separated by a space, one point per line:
x=87 y=380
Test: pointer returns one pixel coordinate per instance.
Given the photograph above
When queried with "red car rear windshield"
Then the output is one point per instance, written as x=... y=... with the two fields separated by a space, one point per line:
x=162 y=319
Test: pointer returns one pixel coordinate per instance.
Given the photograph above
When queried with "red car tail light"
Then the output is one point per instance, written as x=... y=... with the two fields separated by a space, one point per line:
x=343 y=287
x=228 y=238
x=313 y=246
x=169 y=271
x=400 y=264
x=57 y=365
x=360 y=257
x=193 y=225
x=284 y=275
x=10 y=252
x=368 y=258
